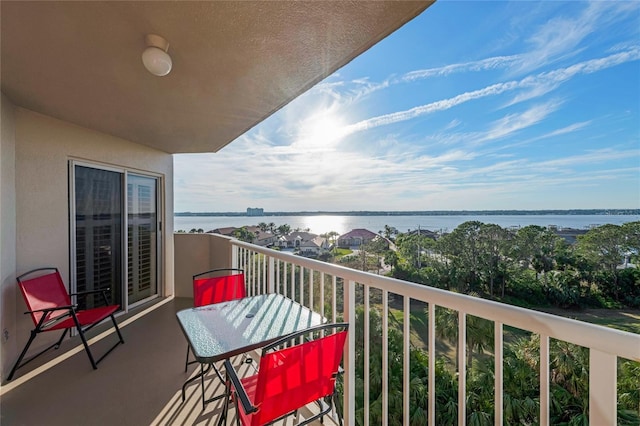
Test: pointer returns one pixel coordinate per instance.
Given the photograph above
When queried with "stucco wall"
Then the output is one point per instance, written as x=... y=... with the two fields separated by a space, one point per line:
x=7 y=234
x=196 y=253
x=44 y=146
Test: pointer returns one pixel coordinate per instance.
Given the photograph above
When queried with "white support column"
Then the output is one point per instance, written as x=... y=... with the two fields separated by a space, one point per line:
x=544 y=380
x=234 y=256
x=406 y=361
x=272 y=275
x=603 y=377
x=301 y=285
x=432 y=363
x=367 y=354
x=334 y=297
x=385 y=357
x=462 y=368
x=322 y=293
x=311 y=289
x=349 y=400
x=499 y=374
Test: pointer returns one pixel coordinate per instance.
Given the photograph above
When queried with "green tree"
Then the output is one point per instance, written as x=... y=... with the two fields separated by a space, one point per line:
x=391 y=258
x=243 y=234
x=462 y=248
x=389 y=232
x=412 y=248
x=607 y=247
x=284 y=229
x=494 y=248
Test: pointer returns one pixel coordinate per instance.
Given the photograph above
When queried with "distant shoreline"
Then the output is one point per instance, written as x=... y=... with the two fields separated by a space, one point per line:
x=577 y=212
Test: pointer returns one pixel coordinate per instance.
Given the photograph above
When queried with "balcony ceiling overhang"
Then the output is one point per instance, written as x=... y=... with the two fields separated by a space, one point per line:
x=234 y=62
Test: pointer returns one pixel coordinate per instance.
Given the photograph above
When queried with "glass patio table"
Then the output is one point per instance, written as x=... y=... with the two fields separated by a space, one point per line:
x=223 y=330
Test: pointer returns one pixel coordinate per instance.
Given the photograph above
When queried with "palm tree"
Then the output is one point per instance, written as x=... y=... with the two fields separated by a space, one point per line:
x=284 y=229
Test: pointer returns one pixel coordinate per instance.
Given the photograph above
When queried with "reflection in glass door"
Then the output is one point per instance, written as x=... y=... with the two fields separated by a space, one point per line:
x=142 y=237
x=98 y=233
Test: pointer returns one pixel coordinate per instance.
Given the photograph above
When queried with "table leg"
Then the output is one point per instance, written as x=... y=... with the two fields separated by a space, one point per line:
x=184 y=386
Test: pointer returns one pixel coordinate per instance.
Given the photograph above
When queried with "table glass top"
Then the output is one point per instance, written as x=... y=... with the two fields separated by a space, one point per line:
x=219 y=331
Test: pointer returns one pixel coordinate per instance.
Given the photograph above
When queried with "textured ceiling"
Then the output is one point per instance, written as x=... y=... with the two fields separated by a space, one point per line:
x=234 y=62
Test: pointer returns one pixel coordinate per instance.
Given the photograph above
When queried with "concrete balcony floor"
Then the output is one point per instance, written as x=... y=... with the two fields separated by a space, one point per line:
x=139 y=383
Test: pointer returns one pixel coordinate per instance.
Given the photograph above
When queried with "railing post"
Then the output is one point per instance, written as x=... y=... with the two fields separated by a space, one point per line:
x=367 y=354
x=234 y=256
x=406 y=361
x=272 y=276
x=544 y=380
x=603 y=373
x=462 y=368
x=349 y=397
x=432 y=363
x=499 y=374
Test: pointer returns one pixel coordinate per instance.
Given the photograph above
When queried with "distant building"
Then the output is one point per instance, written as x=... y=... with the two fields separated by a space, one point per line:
x=264 y=239
x=295 y=239
x=424 y=233
x=255 y=211
x=315 y=247
x=570 y=235
x=356 y=238
x=228 y=231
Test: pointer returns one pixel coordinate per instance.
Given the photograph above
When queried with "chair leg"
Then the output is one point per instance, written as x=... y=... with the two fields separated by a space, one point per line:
x=24 y=352
x=84 y=342
x=34 y=333
x=115 y=325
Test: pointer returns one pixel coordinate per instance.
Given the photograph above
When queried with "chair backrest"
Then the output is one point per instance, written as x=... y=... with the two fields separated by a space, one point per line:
x=218 y=285
x=43 y=292
x=293 y=377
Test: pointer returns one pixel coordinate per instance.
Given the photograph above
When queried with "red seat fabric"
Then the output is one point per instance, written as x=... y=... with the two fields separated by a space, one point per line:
x=49 y=292
x=291 y=378
x=210 y=290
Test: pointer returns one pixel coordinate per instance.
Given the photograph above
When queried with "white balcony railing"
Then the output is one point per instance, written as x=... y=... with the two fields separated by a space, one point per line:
x=315 y=284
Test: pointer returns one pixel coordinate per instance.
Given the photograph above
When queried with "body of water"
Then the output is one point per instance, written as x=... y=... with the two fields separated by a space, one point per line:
x=320 y=224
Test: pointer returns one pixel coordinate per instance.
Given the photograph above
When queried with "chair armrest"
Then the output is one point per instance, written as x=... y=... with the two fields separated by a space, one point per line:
x=58 y=308
x=102 y=290
x=81 y=293
x=240 y=391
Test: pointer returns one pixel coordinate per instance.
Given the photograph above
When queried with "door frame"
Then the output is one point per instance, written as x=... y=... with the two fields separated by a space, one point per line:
x=124 y=171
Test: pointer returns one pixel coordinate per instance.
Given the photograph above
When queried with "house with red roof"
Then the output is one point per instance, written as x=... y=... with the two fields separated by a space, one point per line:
x=356 y=238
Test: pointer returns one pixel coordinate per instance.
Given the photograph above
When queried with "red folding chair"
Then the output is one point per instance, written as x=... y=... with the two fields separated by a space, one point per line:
x=214 y=286
x=51 y=309
x=290 y=378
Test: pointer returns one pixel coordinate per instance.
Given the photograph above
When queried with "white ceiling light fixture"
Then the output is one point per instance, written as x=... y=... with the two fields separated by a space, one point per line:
x=155 y=57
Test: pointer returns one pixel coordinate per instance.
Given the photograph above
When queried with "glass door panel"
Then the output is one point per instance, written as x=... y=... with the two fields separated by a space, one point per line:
x=142 y=236
x=98 y=233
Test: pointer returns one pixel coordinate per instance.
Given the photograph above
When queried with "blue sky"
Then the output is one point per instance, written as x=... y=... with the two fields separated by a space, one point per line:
x=471 y=106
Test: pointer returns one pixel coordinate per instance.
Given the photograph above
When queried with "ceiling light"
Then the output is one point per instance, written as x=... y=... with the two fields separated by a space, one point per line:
x=155 y=57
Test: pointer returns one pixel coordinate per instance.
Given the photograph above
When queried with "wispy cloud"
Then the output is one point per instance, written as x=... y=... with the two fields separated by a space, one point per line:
x=537 y=85
x=481 y=65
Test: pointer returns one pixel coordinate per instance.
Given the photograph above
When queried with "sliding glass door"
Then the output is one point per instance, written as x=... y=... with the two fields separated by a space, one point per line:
x=142 y=237
x=112 y=249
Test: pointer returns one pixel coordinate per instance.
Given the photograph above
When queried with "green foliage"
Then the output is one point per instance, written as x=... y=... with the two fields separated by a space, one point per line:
x=568 y=372
x=243 y=234
x=529 y=267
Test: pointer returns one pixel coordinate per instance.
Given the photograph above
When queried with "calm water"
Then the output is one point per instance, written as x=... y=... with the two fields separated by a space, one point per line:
x=343 y=224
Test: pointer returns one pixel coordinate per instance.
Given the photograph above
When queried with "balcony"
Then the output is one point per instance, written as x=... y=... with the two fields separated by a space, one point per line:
x=139 y=383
